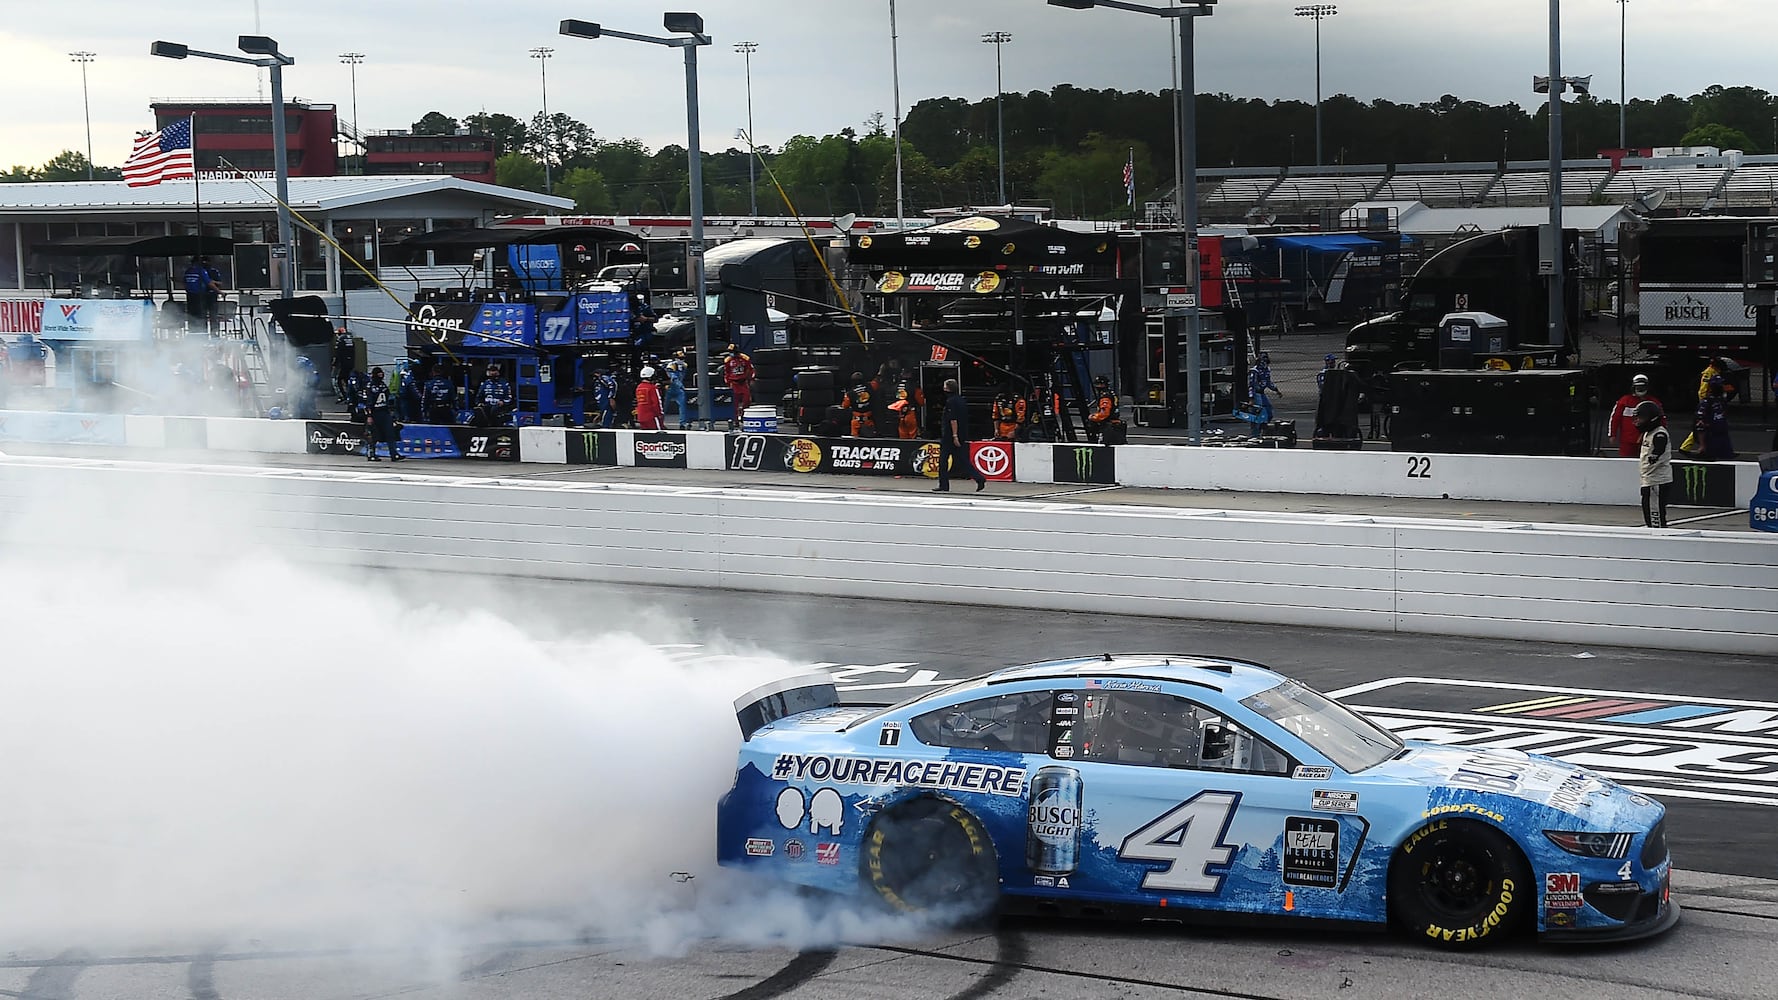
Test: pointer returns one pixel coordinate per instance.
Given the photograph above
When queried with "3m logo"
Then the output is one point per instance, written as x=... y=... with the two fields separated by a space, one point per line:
x=1561 y=882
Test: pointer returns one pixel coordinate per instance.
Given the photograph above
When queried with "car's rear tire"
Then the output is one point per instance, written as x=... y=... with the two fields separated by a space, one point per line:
x=1460 y=885
x=932 y=857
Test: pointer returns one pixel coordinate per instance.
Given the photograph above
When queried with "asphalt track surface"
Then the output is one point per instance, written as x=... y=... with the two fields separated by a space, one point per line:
x=1713 y=735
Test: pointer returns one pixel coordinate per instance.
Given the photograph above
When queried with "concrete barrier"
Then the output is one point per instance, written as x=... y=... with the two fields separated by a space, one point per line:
x=1667 y=589
x=1605 y=481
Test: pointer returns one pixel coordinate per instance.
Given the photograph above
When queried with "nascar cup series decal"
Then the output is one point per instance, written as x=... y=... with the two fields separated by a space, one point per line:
x=991 y=778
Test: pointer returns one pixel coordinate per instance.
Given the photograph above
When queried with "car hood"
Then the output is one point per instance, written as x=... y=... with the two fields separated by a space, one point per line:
x=1491 y=774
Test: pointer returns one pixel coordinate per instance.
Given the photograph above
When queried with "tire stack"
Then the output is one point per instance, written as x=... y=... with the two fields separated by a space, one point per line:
x=816 y=390
x=1533 y=412
x=772 y=374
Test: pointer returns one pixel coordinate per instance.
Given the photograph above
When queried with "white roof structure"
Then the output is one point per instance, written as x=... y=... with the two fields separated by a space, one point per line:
x=1415 y=218
x=307 y=194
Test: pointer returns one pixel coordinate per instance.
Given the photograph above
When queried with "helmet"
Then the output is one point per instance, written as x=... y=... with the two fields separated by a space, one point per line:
x=648 y=372
x=1329 y=359
x=1715 y=381
x=1641 y=380
x=493 y=369
x=303 y=362
x=856 y=376
x=1101 y=382
x=1264 y=358
x=1648 y=413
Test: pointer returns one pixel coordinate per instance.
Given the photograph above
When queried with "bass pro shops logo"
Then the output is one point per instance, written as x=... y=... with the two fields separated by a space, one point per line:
x=802 y=455
x=926 y=461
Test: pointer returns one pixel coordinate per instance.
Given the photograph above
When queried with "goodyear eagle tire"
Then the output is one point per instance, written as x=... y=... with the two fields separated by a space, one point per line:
x=932 y=857
x=1460 y=885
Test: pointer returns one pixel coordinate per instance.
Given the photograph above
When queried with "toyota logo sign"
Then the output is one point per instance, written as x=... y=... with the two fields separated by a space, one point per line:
x=993 y=459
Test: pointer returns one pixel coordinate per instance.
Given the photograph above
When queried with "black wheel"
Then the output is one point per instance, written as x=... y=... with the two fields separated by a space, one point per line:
x=1460 y=885
x=932 y=857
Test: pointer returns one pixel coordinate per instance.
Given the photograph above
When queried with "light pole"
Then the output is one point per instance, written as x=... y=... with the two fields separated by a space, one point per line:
x=691 y=26
x=1623 y=87
x=895 y=76
x=354 y=60
x=747 y=49
x=86 y=105
x=542 y=54
x=1551 y=250
x=1317 y=11
x=269 y=58
x=998 y=39
x=1187 y=190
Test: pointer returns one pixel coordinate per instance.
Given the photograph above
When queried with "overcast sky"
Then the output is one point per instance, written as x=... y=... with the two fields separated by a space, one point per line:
x=825 y=64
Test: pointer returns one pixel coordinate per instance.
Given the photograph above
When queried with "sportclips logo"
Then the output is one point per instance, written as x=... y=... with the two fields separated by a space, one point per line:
x=659 y=451
x=1687 y=310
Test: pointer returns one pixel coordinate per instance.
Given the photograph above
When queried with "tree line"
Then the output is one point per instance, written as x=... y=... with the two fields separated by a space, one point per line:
x=1066 y=147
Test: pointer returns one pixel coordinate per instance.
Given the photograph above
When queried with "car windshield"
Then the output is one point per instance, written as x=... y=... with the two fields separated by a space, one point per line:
x=1335 y=731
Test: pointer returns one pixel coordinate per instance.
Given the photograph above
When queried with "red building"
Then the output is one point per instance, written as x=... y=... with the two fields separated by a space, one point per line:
x=468 y=156
x=241 y=133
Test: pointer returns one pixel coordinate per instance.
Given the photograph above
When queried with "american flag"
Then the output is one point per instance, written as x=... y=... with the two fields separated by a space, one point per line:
x=1130 y=179
x=162 y=156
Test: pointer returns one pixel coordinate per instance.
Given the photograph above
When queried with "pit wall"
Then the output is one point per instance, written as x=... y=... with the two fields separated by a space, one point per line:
x=1602 y=481
x=1569 y=584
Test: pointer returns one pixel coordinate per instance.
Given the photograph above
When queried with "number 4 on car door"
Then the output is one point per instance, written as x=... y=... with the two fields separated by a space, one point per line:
x=1188 y=838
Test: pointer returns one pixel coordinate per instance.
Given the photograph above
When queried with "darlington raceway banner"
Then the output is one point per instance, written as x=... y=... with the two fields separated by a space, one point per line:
x=491 y=444
x=858 y=456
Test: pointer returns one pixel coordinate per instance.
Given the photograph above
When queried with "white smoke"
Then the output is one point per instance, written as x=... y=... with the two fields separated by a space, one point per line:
x=204 y=749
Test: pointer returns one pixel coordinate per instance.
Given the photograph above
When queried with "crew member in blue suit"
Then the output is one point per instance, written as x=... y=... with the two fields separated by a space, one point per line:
x=675 y=368
x=605 y=398
x=1259 y=382
x=380 y=417
x=494 y=399
x=439 y=398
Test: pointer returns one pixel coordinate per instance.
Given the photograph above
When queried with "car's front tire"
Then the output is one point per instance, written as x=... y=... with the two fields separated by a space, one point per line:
x=932 y=857
x=1460 y=885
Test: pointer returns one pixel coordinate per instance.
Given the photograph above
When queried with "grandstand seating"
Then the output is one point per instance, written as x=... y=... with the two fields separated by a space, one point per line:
x=1437 y=190
x=1312 y=191
x=1752 y=185
x=1685 y=186
x=1527 y=187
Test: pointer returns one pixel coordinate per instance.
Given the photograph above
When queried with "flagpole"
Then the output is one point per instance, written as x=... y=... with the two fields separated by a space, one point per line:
x=197 y=194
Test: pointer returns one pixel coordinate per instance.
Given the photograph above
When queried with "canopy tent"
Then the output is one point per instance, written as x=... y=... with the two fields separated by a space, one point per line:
x=479 y=238
x=1326 y=241
x=137 y=246
x=981 y=241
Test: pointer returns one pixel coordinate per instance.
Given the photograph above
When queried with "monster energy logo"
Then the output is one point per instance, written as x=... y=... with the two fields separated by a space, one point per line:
x=1084 y=459
x=1694 y=482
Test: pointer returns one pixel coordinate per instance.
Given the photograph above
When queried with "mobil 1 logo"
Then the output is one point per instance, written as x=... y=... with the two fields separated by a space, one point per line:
x=1311 y=851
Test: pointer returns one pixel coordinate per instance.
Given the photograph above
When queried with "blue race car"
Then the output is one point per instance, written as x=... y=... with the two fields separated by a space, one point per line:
x=1182 y=786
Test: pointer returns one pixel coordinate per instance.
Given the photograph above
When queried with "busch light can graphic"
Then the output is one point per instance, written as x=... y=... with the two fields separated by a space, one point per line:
x=1052 y=839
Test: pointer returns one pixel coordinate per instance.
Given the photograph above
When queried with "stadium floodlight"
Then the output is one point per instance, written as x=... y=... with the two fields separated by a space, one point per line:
x=1187 y=192
x=266 y=48
x=692 y=27
x=1318 y=11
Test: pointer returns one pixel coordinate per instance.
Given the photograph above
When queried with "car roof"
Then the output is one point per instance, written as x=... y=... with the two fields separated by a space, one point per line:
x=1235 y=678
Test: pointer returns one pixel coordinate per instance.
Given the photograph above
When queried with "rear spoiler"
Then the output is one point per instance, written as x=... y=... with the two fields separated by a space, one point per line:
x=768 y=703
